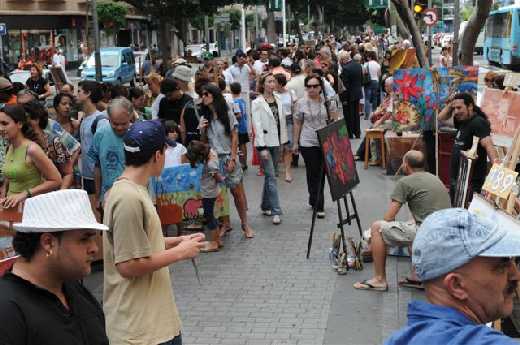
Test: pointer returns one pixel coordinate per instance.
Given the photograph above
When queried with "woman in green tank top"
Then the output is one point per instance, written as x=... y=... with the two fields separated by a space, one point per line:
x=27 y=170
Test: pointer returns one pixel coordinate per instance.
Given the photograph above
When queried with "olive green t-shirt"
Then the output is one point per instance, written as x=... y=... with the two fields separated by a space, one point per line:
x=423 y=192
x=138 y=311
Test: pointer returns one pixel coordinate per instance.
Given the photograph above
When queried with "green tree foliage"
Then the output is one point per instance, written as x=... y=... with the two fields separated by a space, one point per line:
x=112 y=16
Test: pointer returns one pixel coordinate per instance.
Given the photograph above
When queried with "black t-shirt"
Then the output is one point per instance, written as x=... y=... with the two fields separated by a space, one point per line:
x=30 y=315
x=477 y=126
x=37 y=86
x=171 y=110
x=274 y=109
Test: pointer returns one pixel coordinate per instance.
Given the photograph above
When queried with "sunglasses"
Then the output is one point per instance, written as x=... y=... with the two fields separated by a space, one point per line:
x=206 y=94
x=313 y=86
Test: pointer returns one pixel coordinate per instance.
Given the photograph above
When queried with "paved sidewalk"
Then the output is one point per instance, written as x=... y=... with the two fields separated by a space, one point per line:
x=265 y=292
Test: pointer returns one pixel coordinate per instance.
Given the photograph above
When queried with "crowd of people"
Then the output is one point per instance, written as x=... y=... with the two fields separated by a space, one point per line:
x=81 y=158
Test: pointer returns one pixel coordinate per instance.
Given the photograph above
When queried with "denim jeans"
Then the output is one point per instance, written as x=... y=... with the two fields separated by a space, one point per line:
x=371 y=95
x=175 y=341
x=270 y=200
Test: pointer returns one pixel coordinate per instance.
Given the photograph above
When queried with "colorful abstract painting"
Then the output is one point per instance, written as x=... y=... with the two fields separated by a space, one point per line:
x=339 y=160
x=177 y=191
x=503 y=111
x=455 y=80
x=416 y=100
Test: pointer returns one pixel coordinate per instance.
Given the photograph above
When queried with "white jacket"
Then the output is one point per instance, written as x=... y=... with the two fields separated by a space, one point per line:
x=264 y=123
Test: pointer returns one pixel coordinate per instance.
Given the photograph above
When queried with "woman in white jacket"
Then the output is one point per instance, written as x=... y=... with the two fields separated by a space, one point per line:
x=270 y=134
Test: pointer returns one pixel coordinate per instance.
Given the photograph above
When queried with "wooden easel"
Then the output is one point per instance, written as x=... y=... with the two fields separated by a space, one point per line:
x=467 y=159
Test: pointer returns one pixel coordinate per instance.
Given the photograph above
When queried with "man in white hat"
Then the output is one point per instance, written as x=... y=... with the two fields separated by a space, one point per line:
x=41 y=300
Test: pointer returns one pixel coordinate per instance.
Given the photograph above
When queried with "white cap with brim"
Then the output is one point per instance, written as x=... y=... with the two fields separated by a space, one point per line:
x=450 y=238
x=58 y=211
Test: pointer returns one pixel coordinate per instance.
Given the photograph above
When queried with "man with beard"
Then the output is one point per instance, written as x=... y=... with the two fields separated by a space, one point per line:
x=470 y=121
x=107 y=148
x=469 y=271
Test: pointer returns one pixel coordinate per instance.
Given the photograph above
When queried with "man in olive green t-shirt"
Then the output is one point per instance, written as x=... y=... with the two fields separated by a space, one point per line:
x=424 y=193
x=138 y=298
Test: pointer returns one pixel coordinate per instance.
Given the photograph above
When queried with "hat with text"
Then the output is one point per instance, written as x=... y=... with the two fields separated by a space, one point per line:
x=145 y=136
x=182 y=72
x=450 y=238
x=62 y=210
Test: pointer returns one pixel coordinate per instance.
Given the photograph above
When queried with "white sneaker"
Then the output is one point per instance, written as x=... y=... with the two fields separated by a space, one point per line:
x=267 y=213
x=320 y=214
x=276 y=219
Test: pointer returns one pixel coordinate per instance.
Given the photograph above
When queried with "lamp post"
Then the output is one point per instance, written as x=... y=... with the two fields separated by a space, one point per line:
x=97 y=55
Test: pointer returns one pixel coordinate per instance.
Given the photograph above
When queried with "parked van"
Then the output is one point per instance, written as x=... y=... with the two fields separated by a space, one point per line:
x=117 y=66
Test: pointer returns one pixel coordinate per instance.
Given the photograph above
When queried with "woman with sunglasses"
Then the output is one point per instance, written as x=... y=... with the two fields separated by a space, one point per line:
x=218 y=127
x=27 y=169
x=313 y=112
x=270 y=134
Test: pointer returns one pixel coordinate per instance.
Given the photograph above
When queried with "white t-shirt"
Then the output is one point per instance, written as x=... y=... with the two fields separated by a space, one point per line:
x=155 y=106
x=58 y=60
x=373 y=69
x=173 y=155
x=241 y=75
x=259 y=66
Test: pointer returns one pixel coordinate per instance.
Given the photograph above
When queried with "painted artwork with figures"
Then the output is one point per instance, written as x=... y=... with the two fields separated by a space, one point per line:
x=454 y=80
x=339 y=160
x=415 y=100
x=503 y=111
x=177 y=192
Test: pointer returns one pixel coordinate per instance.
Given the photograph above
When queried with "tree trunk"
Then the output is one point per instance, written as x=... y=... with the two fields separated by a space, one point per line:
x=401 y=28
x=320 y=18
x=164 y=39
x=409 y=21
x=472 y=30
x=271 y=28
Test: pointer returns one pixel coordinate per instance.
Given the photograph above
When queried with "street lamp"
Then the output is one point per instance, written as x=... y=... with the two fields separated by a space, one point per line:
x=97 y=55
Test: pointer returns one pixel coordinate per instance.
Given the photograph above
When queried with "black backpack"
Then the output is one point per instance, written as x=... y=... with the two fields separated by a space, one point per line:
x=93 y=127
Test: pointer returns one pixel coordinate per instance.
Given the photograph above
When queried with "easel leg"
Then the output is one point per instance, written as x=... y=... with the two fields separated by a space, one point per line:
x=315 y=212
x=343 y=255
x=356 y=214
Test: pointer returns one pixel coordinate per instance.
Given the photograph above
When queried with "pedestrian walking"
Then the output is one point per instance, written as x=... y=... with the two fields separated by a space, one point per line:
x=271 y=133
x=219 y=127
x=352 y=78
x=137 y=281
x=313 y=113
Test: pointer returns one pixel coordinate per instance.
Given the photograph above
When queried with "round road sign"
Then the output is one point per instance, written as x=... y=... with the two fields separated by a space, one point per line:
x=430 y=16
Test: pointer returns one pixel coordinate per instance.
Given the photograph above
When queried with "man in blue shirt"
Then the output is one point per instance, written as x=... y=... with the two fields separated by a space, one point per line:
x=107 y=148
x=467 y=266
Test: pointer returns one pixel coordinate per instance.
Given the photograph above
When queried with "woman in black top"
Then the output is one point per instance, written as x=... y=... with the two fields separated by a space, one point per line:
x=38 y=84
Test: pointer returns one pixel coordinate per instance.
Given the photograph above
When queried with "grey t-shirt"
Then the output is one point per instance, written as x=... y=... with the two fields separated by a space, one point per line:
x=313 y=116
x=217 y=138
x=423 y=192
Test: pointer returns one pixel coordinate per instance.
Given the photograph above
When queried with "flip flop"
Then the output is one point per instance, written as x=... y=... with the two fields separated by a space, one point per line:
x=365 y=285
x=288 y=180
x=411 y=283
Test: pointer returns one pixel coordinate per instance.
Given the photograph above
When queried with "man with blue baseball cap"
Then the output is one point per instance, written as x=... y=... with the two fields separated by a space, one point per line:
x=467 y=265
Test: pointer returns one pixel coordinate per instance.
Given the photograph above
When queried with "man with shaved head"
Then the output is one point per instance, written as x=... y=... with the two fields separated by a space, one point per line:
x=424 y=193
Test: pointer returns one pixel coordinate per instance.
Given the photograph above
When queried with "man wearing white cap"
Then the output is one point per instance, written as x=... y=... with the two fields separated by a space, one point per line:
x=468 y=266
x=41 y=300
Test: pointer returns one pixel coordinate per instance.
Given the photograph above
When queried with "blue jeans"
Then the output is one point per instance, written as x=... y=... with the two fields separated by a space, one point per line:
x=270 y=200
x=175 y=341
x=371 y=95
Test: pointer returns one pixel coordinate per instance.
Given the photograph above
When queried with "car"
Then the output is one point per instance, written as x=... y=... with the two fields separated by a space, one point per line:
x=117 y=66
x=21 y=75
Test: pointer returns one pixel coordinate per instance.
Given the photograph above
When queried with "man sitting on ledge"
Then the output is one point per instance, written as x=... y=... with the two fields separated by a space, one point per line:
x=468 y=267
x=424 y=194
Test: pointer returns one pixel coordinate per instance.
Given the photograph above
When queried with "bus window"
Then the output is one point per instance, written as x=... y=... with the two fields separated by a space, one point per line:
x=499 y=25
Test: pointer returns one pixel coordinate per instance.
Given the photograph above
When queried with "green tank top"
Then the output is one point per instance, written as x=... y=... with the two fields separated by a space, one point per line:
x=22 y=175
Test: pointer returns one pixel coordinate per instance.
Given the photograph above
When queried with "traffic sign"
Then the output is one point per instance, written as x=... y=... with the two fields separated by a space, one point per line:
x=3 y=29
x=221 y=18
x=430 y=16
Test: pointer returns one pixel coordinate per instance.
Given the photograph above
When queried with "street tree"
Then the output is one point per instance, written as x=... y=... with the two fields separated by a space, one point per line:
x=475 y=24
x=406 y=15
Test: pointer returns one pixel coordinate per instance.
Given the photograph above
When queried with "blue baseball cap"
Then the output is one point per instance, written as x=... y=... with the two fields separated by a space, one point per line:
x=145 y=136
x=450 y=238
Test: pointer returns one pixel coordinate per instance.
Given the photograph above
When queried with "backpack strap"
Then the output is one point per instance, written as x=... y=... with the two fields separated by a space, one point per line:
x=93 y=127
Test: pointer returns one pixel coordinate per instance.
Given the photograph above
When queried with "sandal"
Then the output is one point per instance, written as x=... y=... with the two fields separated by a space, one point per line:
x=288 y=179
x=208 y=249
x=411 y=283
x=365 y=285
x=248 y=233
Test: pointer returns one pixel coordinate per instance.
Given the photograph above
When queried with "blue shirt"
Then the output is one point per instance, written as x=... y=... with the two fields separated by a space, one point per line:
x=107 y=151
x=86 y=136
x=242 y=123
x=435 y=324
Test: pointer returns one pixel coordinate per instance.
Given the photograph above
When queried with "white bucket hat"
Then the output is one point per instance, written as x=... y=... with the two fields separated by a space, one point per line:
x=58 y=211
x=183 y=73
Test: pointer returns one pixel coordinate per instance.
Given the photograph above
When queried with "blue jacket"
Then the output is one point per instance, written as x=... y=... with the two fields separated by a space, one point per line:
x=435 y=324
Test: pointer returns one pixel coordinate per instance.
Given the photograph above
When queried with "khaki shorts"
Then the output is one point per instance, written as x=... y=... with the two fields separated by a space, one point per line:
x=398 y=234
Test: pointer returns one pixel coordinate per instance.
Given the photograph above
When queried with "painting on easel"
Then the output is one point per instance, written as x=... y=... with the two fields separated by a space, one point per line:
x=416 y=100
x=339 y=160
x=456 y=79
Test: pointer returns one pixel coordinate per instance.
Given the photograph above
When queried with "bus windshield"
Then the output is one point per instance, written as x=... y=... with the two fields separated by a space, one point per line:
x=499 y=25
